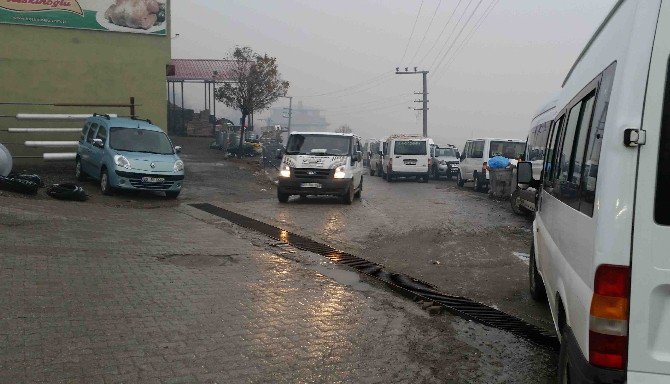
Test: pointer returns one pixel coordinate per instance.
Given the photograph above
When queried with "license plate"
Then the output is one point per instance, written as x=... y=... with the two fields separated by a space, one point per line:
x=310 y=185
x=153 y=179
x=410 y=162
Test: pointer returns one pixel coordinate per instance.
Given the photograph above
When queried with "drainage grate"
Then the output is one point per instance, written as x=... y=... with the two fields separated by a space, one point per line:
x=406 y=285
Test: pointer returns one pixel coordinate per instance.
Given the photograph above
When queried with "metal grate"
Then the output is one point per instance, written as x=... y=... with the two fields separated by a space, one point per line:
x=310 y=173
x=406 y=285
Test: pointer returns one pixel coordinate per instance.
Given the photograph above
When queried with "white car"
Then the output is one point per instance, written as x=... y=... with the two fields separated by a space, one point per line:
x=406 y=156
x=321 y=163
x=475 y=157
x=445 y=161
x=602 y=226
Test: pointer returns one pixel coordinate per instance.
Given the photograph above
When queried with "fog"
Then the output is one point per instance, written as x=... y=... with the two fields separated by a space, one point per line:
x=341 y=56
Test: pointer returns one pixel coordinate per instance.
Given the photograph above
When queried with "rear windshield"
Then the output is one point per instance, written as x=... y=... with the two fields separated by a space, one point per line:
x=445 y=152
x=508 y=149
x=410 y=148
x=139 y=140
x=662 y=206
x=319 y=145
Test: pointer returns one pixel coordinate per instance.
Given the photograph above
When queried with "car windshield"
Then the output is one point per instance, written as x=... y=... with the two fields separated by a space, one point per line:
x=139 y=140
x=445 y=152
x=319 y=145
x=410 y=147
x=508 y=149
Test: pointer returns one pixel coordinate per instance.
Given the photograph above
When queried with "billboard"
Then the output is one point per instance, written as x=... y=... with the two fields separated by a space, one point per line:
x=129 y=16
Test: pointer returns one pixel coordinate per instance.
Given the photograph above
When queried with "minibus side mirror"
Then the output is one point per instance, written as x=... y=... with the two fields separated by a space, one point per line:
x=98 y=143
x=177 y=149
x=278 y=154
x=358 y=156
x=524 y=174
x=381 y=153
x=458 y=154
x=462 y=156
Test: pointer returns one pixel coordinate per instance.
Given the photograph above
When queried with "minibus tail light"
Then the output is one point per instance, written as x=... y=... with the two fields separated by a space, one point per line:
x=608 y=326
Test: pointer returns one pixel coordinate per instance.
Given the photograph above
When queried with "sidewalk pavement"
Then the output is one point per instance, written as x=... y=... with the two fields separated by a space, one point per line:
x=100 y=294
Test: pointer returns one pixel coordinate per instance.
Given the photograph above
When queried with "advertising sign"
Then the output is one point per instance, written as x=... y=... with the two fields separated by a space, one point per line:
x=130 y=16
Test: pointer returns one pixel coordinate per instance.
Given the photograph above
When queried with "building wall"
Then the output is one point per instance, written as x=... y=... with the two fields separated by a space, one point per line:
x=51 y=65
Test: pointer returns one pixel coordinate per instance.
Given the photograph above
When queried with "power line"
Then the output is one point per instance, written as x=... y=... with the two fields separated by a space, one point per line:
x=412 y=33
x=430 y=24
x=371 y=103
x=451 y=33
x=471 y=34
x=458 y=36
x=453 y=13
x=407 y=102
x=363 y=83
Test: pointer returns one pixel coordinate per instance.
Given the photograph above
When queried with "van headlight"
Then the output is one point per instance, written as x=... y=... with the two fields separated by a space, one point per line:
x=178 y=166
x=285 y=171
x=339 y=172
x=122 y=162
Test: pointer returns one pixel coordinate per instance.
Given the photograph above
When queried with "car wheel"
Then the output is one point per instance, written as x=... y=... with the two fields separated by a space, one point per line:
x=172 y=194
x=460 y=182
x=535 y=284
x=475 y=178
x=283 y=197
x=105 y=187
x=360 y=190
x=81 y=176
x=424 y=179
x=348 y=197
x=565 y=372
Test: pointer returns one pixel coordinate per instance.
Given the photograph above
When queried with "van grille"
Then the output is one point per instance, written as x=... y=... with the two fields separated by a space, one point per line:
x=311 y=173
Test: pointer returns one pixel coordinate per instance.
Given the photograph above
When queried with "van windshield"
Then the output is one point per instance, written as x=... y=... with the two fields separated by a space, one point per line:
x=139 y=140
x=319 y=145
x=410 y=147
x=510 y=150
x=445 y=152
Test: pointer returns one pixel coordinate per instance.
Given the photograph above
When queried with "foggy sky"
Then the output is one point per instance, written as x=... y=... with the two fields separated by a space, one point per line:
x=514 y=63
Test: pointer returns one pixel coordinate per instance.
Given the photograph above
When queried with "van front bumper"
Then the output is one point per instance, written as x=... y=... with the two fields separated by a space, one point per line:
x=307 y=186
x=408 y=174
x=134 y=181
x=582 y=371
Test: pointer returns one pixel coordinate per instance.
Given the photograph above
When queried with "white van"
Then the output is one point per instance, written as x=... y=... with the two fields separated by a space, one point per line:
x=523 y=200
x=476 y=154
x=406 y=156
x=375 y=156
x=602 y=229
x=321 y=163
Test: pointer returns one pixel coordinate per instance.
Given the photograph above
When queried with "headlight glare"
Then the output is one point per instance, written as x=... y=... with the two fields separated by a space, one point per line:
x=122 y=162
x=178 y=166
x=285 y=171
x=339 y=172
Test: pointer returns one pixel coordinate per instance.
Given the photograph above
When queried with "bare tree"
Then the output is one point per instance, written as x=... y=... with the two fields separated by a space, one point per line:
x=257 y=85
x=343 y=129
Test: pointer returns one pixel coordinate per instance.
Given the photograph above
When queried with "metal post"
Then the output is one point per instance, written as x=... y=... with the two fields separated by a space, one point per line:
x=182 y=119
x=290 y=113
x=132 y=106
x=174 y=104
x=425 y=104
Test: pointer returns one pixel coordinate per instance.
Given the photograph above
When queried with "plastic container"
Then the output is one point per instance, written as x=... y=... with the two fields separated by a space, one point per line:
x=500 y=183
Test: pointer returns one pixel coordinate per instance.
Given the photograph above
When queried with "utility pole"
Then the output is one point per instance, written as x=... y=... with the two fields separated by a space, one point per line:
x=290 y=112
x=424 y=93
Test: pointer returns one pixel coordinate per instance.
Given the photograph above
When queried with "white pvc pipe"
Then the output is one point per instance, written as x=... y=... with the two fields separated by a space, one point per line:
x=52 y=144
x=41 y=130
x=59 y=156
x=54 y=116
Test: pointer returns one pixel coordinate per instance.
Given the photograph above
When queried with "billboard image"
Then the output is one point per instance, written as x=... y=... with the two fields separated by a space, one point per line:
x=130 y=16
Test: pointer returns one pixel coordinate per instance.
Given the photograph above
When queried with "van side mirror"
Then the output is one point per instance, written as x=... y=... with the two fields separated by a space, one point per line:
x=358 y=156
x=524 y=174
x=98 y=143
x=462 y=157
x=177 y=149
x=458 y=154
x=278 y=154
x=381 y=153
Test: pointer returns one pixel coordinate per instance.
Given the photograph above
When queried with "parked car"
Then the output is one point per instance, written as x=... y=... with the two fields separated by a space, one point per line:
x=475 y=157
x=375 y=155
x=602 y=227
x=406 y=156
x=128 y=153
x=523 y=200
x=321 y=163
x=445 y=161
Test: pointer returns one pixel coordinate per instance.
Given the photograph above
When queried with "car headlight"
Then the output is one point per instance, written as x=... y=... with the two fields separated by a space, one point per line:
x=339 y=172
x=285 y=171
x=178 y=166
x=122 y=162
x=443 y=162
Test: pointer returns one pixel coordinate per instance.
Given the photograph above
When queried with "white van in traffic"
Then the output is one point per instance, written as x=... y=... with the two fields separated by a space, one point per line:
x=523 y=200
x=321 y=163
x=602 y=228
x=475 y=157
x=406 y=156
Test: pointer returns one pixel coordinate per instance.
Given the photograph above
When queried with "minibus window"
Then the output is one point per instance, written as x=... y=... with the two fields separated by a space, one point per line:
x=565 y=190
x=551 y=155
x=570 y=189
x=594 y=142
x=662 y=206
x=478 y=149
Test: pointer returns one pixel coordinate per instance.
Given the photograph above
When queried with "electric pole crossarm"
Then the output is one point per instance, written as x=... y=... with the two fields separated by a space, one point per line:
x=424 y=74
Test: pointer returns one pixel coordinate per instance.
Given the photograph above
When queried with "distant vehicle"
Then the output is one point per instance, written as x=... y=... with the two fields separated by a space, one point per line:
x=523 y=200
x=445 y=161
x=475 y=157
x=128 y=153
x=375 y=155
x=321 y=163
x=406 y=156
x=602 y=226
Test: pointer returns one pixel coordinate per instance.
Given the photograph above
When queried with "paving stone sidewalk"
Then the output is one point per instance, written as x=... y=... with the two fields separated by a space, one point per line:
x=98 y=294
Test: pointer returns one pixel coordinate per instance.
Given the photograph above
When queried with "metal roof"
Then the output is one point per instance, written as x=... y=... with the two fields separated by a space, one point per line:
x=202 y=70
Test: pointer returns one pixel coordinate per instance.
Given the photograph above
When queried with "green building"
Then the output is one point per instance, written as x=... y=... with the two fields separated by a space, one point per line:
x=79 y=52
